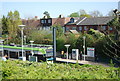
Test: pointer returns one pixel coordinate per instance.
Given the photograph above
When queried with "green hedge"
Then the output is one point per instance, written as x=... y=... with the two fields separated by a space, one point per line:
x=33 y=70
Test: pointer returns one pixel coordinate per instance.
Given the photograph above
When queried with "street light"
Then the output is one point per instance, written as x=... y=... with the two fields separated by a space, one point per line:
x=22 y=27
x=84 y=46
x=1 y=41
x=32 y=46
x=67 y=46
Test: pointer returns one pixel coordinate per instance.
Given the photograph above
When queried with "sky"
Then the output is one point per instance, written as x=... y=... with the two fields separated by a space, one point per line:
x=33 y=8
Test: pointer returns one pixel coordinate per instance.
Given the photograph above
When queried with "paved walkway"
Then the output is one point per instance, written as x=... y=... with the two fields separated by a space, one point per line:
x=81 y=62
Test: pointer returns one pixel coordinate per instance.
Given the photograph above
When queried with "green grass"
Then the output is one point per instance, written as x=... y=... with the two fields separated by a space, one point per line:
x=32 y=70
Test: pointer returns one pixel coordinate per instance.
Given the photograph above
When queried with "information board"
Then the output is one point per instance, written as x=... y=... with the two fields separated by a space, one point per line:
x=90 y=52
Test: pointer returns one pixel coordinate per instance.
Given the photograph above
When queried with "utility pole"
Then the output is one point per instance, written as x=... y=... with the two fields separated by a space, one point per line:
x=54 y=44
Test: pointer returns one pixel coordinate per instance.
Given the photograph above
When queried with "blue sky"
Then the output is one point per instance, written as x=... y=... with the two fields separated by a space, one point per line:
x=31 y=9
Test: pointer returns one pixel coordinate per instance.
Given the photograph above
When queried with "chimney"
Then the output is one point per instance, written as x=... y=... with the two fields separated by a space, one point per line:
x=60 y=16
x=36 y=17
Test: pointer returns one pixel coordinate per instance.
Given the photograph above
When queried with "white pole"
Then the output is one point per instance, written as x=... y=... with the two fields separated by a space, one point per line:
x=32 y=47
x=84 y=47
x=25 y=39
x=22 y=27
x=67 y=55
x=1 y=41
x=67 y=46
x=22 y=41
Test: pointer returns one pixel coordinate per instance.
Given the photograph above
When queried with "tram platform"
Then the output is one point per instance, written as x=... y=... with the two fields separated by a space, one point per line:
x=82 y=62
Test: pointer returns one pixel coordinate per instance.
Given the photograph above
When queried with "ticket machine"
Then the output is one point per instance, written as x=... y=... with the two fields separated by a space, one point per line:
x=75 y=54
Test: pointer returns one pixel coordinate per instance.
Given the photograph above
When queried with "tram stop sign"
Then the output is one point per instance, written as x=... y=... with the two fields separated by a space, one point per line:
x=90 y=52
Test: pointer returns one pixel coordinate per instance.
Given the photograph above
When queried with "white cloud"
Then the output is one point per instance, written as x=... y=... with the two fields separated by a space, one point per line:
x=60 y=0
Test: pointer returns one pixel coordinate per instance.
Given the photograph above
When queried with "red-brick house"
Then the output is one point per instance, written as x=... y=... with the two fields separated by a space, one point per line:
x=31 y=23
x=85 y=24
x=46 y=23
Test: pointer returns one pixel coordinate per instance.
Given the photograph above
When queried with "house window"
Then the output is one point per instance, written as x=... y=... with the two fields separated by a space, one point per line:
x=42 y=21
x=73 y=28
x=85 y=27
x=110 y=28
x=49 y=21
x=80 y=28
x=103 y=27
x=67 y=29
x=72 y=20
x=45 y=21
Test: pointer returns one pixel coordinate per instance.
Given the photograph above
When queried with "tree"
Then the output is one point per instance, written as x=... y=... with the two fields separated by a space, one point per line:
x=4 y=26
x=59 y=29
x=109 y=45
x=0 y=29
x=75 y=14
x=46 y=14
x=90 y=41
x=96 y=13
x=13 y=20
x=40 y=37
x=111 y=13
x=84 y=14
x=95 y=33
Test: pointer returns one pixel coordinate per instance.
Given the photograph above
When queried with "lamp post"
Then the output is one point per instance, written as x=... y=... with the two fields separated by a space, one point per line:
x=22 y=27
x=1 y=41
x=67 y=46
x=32 y=46
x=84 y=46
x=25 y=39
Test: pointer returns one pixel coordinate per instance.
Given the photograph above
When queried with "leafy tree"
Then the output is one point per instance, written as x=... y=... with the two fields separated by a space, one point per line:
x=4 y=25
x=90 y=41
x=96 y=13
x=59 y=29
x=95 y=33
x=84 y=14
x=75 y=14
x=46 y=14
x=109 y=45
x=13 y=20
x=0 y=28
x=111 y=13
x=41 y=37
x=81 y=13
x=71 y=39
x=61 y=40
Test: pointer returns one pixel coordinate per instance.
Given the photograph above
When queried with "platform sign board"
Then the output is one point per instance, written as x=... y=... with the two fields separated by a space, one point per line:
x=49 y=52
x=90 y=52
x=33 y=58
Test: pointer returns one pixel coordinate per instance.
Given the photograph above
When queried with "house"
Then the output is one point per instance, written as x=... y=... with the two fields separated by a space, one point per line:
x=34 y=23
x=84 y=24
x=46 y=23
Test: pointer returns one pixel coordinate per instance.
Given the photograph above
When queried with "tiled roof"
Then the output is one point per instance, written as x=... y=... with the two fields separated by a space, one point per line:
x=96 y=21
x=77 y=20
x=32 y=23
x=60 y=21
